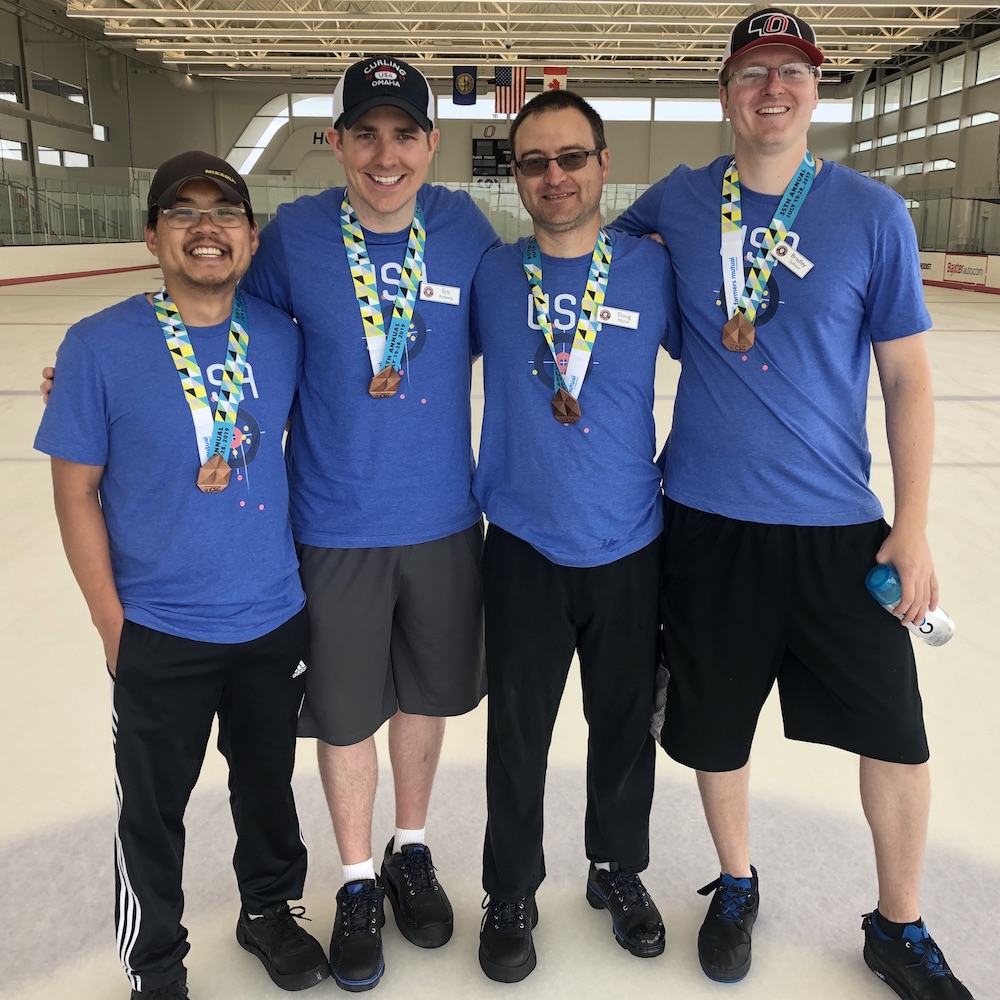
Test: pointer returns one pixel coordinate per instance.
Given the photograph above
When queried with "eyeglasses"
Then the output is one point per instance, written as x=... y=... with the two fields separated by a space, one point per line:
x=223 y=216
x=790 y=73
x=535 y=166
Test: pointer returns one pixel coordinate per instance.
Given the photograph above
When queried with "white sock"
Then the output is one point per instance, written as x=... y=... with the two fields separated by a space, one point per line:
x=404 y=837
x=354 y=873
x=605 y=866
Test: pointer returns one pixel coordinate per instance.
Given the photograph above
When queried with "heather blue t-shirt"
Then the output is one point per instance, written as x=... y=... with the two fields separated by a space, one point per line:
x=589 y=493
x=367 y=472
x=214 y=567
x=778 y=435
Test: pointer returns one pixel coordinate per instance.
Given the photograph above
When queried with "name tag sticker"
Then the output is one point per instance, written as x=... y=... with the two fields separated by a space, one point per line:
x=610 y=316
x=450 y=295
x=792 y=259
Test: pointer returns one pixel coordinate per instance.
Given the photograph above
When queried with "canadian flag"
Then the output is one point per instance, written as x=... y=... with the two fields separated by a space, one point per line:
x=554 y=78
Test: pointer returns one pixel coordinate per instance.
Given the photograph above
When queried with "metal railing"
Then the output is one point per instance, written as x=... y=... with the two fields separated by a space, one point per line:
x=46 y=211
x=966 y=222
x=62 y=212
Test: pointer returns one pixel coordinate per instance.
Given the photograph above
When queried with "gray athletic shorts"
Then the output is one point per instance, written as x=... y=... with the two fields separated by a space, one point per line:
x=396 y=628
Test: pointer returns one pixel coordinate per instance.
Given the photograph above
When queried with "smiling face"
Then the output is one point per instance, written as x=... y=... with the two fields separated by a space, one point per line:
x=561 y=201
x=771 y=116
x=386 y=156
x=206 y=257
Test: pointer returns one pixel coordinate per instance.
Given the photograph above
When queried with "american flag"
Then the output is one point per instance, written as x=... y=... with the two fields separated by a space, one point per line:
x=510 y=84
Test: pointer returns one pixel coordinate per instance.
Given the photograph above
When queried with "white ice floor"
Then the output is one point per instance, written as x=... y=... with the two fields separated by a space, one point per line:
x=810 y=842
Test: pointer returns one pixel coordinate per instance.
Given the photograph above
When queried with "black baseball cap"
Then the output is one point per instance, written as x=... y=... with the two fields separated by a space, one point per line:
x=772 y=26
x=191 y=166
x=382 y=80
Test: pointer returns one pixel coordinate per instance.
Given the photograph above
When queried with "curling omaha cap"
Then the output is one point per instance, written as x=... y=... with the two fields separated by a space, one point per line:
x=772 y=26
x=382 y=80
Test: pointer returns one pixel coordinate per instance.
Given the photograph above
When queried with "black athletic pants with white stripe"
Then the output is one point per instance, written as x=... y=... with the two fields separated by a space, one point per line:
x=537 y=615
x=166 y=694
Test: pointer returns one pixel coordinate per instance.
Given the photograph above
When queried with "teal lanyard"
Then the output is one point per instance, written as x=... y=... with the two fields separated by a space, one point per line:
x=755 y=285
x=587 y=326
x=214 y=431
x=366 y=286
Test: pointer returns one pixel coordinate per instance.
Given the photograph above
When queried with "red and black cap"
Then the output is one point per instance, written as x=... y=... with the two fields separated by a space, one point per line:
x=772 y=26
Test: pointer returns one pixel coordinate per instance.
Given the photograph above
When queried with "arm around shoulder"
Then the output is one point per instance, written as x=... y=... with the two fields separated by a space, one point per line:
x=642 y=217
x=268 y=276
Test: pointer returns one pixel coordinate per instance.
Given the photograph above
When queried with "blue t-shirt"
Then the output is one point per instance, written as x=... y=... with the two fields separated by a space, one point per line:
x=588 y=493
x=777 y=435
x=214 y=567
x=367 y=472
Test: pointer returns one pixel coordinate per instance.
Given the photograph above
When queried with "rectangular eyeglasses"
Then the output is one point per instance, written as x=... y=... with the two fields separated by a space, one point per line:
x=223 y=216
x=535 y=166
x=790 y=73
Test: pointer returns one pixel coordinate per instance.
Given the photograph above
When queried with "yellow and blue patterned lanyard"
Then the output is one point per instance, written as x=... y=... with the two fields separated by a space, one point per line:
x=383 y=350
x=587 y=326
x=214 y=431
x=747 y=299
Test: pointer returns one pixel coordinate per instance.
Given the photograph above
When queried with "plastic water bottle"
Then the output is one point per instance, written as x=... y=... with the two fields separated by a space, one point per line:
x=883 y=584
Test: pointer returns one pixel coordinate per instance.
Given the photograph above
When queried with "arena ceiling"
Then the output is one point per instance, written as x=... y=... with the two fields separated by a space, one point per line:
x=599 y=42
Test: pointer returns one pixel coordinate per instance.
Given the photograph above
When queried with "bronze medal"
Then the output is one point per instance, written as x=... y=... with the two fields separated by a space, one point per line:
x=738 y=334
x=565 y=408
x=213 y=476
x=385 y=384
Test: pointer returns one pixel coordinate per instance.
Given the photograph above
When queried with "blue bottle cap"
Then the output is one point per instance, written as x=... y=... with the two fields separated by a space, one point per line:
x=883 y=584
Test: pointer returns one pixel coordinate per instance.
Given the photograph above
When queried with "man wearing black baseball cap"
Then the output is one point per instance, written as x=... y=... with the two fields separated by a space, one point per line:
x=383 y=82
x=172 y=499
x=378 y=275
x=772 y=524
x=196 y=165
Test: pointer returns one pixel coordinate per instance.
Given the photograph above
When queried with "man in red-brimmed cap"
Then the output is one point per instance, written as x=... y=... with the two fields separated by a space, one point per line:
x=790 y=272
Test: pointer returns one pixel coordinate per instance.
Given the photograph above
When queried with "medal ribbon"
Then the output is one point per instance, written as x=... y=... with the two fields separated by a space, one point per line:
x=213 y=430
x=748 y=298
x=587 y=326
x=383 y=350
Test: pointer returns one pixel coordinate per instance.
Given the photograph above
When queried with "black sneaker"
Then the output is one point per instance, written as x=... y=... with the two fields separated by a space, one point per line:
x=913 y=966
x=356 y=945
x=506 y=952
x=421 y=907
x=293 y=959
x=177 y=990
x=636 y=920
x=724 y=938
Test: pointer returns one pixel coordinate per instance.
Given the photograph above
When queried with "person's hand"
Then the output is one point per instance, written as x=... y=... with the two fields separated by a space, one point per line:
x=911 y=555
x=48 y=376
x=111 y=637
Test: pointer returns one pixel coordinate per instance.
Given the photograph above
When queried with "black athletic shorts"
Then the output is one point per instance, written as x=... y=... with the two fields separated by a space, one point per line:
x=745 y=604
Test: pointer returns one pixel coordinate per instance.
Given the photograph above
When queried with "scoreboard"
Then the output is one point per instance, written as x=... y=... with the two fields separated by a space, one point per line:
x=491 y=154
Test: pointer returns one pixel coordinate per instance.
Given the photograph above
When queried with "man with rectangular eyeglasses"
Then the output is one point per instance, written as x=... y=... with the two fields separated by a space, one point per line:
x=771 y=521
x=165 y=429
x=570 y=322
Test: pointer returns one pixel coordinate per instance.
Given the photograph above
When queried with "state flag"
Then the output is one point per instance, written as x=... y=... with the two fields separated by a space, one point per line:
x=463 y=84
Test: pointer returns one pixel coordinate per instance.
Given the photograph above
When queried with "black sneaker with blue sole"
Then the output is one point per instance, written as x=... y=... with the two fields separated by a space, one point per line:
x=913 y=966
